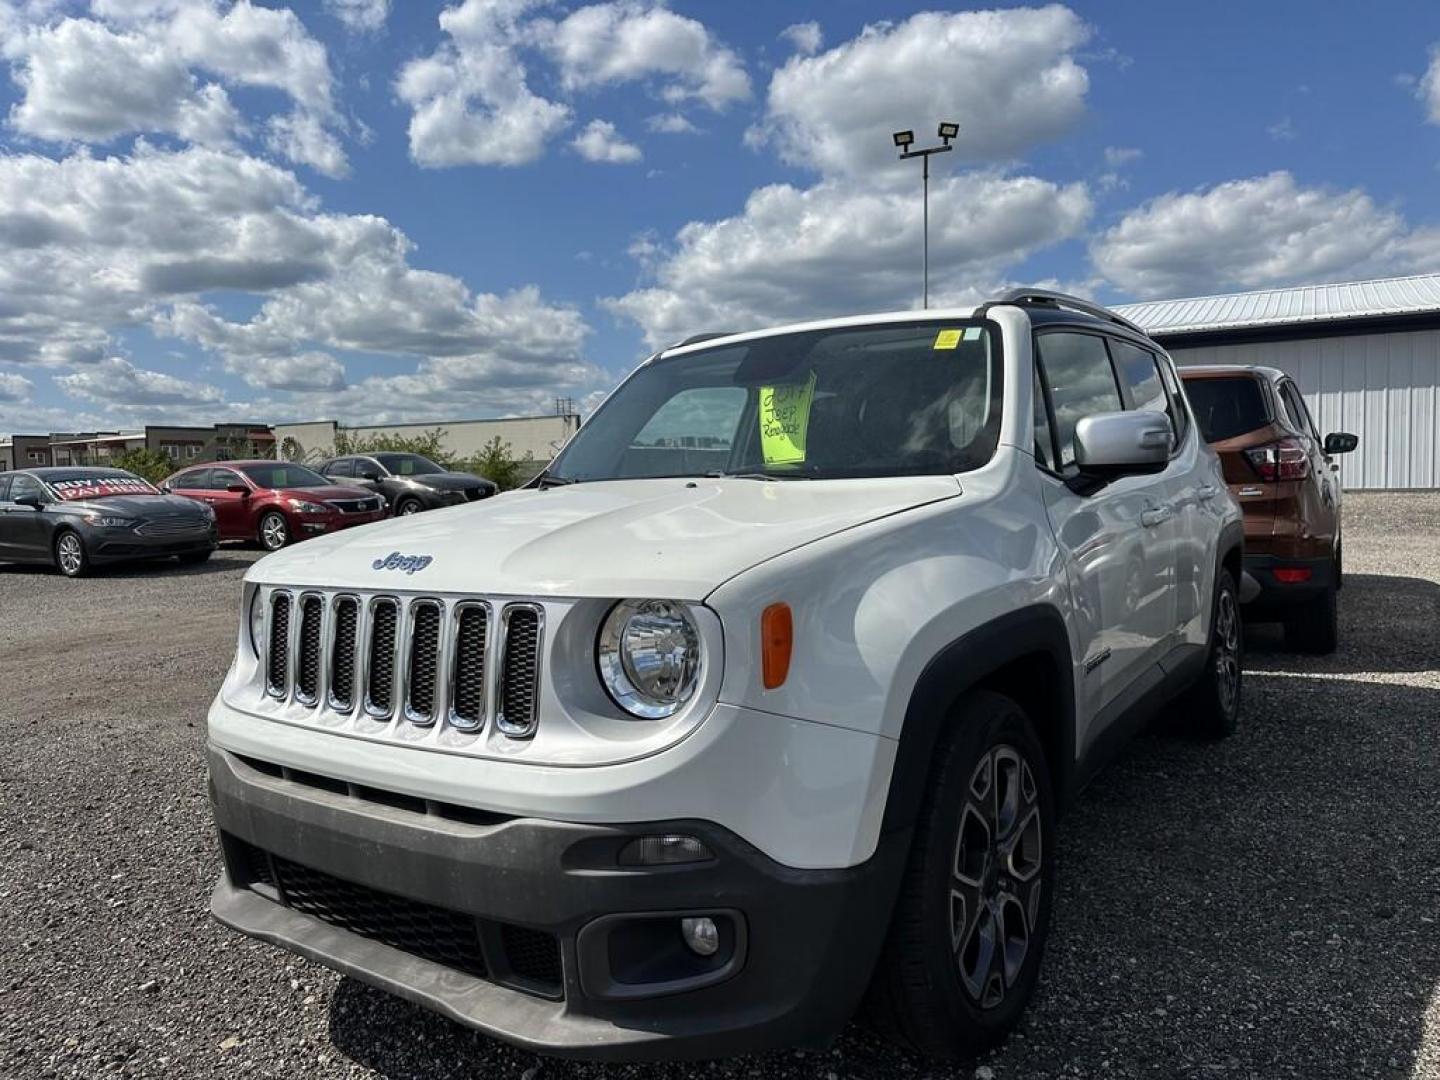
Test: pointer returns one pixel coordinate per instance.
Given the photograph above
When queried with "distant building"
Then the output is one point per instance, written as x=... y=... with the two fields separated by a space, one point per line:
x=534 y=439
x=183 y=445
x=1366 y=356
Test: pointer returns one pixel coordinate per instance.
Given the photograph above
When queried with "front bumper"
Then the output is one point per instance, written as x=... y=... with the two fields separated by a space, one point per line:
x=123 y=545
x=319 y=524
x=797 y=946
x=1273 y=594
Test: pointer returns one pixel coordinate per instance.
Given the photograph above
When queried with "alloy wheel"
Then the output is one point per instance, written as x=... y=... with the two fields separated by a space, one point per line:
x=70 y=553
x=995 y=880
x=1227 y=651
x=273 y=532
x=409 y=507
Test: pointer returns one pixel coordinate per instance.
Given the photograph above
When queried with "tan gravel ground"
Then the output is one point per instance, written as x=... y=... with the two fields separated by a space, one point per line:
x=1262 y=908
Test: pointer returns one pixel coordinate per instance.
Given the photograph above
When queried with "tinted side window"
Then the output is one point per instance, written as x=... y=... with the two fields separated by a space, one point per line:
x=1044 y=437
x=24 y=485
x=1299 y=413
x=1081 y=383
x=344 y=467
x=1139 y=377
x=221 y=479
x=4 y=487
x=194 y=480
x=1179 y=407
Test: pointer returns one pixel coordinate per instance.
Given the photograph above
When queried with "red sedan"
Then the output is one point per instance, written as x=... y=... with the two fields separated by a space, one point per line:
x=274 y=502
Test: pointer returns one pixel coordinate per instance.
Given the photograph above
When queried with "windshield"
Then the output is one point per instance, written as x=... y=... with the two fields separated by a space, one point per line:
x=893 y=400
x=96 y=484
x=1227 y=407
x=285 y=475
x=407 y=464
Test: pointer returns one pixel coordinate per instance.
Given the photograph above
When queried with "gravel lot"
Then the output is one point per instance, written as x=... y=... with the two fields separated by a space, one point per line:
x=1263 y=908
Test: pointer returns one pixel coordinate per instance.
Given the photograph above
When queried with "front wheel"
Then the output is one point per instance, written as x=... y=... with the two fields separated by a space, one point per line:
x=274 y=531
x=1212 y=705
x=71 y=558
x=964 y=948
x=408 y=507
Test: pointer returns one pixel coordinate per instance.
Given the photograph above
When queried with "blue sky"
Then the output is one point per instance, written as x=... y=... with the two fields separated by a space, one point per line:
x=369 y=210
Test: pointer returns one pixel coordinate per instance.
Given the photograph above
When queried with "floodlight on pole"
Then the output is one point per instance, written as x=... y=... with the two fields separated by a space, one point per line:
x=904 y=140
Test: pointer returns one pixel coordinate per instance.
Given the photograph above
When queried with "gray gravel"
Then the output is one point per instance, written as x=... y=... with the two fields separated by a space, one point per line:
x=1263 y=908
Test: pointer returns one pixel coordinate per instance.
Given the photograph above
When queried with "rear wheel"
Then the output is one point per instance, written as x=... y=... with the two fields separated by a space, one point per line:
x=1314 y=627
x=1212 y=705
x=274 y=531
x=964 y=948
x=70 y=556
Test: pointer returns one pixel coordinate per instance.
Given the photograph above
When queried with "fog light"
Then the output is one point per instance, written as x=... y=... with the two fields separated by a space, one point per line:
x=700 y=935
x=666 y=850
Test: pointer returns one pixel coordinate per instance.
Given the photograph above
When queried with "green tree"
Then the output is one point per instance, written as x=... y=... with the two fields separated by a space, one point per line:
x=430 y=445
x=497 y=462
x=142 y=461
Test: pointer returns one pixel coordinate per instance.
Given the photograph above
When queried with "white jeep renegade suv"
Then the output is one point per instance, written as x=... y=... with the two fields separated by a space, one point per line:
x=762 y=700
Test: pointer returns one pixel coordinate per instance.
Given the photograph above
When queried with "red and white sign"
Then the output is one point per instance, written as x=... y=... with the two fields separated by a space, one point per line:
x=98 y=487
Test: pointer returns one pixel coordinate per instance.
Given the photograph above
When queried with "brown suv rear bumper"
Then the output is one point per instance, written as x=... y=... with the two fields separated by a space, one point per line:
x=1283 y=590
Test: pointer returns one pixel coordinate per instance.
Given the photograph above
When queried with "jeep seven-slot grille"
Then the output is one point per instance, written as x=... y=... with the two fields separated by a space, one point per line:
x=520 y=957
x=409 y=661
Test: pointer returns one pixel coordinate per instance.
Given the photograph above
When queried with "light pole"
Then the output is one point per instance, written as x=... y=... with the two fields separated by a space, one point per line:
x=904 y=140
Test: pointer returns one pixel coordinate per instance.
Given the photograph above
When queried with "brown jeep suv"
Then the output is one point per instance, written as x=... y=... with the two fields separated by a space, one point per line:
x=1286 y=480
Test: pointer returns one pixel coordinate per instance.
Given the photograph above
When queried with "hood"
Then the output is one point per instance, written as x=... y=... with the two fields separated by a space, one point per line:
x=149 y=507
x=672 y=538
x=448 y=481
x=329 y=491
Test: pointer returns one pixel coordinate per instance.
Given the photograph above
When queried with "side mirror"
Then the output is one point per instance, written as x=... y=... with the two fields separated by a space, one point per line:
x=32 y=501
x=1341 y=442
x=238 y=489
x=375 y=476
x=1113 y=444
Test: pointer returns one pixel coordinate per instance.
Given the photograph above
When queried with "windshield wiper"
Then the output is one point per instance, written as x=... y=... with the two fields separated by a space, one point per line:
x=754 y=476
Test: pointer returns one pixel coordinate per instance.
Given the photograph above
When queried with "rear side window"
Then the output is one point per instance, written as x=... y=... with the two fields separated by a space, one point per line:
x=1081 y=383
x=1227 y=407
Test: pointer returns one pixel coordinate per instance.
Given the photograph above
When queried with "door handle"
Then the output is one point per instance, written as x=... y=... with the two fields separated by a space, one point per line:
x=1206 y=493
x=1157 y=516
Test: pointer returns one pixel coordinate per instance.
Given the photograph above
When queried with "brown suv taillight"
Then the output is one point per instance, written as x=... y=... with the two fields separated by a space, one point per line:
x=1284 y=459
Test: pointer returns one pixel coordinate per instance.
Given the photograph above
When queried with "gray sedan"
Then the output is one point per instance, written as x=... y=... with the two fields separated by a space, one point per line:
x=76 y=518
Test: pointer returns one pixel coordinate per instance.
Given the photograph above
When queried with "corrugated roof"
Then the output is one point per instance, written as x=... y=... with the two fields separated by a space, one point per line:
x=1278 y=307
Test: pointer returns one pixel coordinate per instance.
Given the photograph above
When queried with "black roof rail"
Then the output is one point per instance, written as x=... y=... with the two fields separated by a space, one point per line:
x=1024 y=295
x=695 y=339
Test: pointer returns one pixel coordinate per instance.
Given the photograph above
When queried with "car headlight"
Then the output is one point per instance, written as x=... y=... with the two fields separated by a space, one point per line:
x=109 y=522
x=256 y=622
x=306 y=507
x=649 y=657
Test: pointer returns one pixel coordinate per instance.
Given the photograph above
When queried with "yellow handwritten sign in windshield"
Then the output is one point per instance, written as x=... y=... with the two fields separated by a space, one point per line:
x=784 y=421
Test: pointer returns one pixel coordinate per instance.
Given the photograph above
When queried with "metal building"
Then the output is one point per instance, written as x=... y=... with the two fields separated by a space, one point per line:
x=1366 y=354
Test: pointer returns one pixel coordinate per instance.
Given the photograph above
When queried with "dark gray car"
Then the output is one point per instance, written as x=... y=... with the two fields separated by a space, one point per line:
x=76 y=518
x=409 y=482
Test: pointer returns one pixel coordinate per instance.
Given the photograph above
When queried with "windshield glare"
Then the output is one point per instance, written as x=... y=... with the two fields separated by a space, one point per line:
x=408 y=465
x=895 y=400
x=285 y=476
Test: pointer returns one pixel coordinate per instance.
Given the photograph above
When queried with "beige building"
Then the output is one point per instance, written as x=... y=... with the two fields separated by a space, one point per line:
x=531 y=438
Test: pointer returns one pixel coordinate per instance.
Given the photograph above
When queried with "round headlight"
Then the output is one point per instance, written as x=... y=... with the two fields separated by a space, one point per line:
x=649 y=657
x=256 y=622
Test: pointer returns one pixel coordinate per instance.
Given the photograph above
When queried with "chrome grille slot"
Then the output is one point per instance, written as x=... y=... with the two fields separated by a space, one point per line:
x=380 y=676
x=467 y=687
x=277 y=648
x=307 y=665
x=517 y=711
x=342 y=653
x=424 y=661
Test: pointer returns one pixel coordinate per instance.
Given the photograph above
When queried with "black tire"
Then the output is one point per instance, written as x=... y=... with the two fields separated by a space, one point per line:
x=1212 y=704
x=194 y=558
x=932 y=991
x=71 y=558
x=406 y=507
x=274 y=531
x=1314 y=627
x=1339 y=565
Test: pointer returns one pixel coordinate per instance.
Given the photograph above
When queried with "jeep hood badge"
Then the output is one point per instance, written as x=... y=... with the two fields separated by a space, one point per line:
x=408 y=563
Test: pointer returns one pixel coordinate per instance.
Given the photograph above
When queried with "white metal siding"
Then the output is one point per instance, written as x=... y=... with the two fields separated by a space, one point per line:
x=1382 y=387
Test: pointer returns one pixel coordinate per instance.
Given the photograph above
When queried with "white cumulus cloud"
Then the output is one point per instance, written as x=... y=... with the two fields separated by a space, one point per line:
x=806 y=37
x=360 y=15
x=600 y=142
x=118 y=381
x=1009 y=78
x=14 y=388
